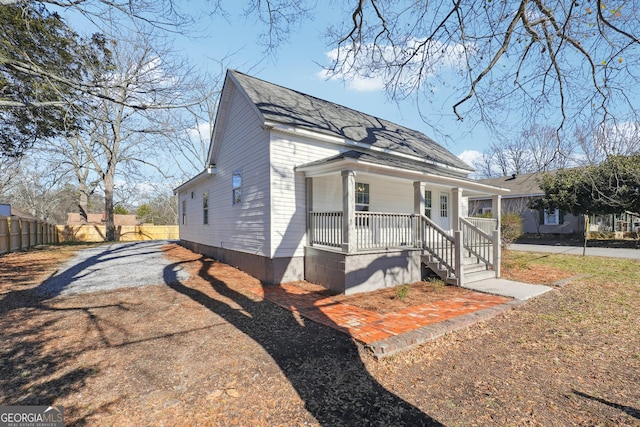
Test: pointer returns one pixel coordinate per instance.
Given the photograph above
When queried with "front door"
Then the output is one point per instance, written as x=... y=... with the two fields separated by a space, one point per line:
x=443 y=211
x=437 y=207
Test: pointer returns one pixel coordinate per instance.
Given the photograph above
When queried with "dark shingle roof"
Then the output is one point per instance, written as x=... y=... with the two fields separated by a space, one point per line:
x=520 y=185
x=290 y=107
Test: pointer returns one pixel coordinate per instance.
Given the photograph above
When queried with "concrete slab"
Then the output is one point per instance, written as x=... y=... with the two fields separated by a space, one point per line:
x=508 y=288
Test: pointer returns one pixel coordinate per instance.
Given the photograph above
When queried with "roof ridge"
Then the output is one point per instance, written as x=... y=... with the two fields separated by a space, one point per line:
x=325 y=100
x=292 y=107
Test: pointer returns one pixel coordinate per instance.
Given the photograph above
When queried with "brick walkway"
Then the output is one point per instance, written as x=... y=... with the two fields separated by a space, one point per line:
x=387 y=333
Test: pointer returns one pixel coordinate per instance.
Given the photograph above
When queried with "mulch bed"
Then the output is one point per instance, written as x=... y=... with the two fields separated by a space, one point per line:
x=205 y=351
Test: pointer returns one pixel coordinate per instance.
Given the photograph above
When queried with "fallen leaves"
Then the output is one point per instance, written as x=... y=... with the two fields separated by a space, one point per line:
x=569 y=357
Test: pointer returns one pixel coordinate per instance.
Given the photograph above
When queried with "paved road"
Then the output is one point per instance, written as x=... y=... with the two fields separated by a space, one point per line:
x=577 y=250
x=112 y=266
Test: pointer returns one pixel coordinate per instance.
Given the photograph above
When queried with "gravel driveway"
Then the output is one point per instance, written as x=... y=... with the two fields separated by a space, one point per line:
x=108 y=267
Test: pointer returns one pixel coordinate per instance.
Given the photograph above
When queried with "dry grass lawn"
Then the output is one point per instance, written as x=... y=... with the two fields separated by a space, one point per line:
x=206 y=352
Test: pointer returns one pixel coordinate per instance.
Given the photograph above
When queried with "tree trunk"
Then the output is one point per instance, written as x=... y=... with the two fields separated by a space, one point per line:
x=110 y=235
x=83 y=201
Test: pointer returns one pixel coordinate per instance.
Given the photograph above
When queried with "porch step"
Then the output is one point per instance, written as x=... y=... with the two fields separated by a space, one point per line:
x=479 y=275
x=442 y=273
x=474 y=270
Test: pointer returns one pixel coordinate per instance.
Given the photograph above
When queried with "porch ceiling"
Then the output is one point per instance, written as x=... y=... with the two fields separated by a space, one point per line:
x=400 y=168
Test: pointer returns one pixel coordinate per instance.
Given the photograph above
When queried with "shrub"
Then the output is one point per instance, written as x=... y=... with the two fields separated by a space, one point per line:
x=402 y=291
x=510 y=228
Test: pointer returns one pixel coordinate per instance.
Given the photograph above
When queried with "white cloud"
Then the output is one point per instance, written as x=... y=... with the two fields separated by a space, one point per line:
x=470 y=156
x=201 y=133
x=352 y=80
x=372 y=67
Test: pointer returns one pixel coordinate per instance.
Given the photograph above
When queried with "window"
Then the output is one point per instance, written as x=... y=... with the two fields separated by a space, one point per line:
x=427 y=203
x=444 y=205
x=236 y=185
x=205 y=208
x=551 y=217
x=362 y=197
x=184 y=212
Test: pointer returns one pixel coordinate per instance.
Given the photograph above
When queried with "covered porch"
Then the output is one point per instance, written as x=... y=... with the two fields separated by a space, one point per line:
x=372 y=225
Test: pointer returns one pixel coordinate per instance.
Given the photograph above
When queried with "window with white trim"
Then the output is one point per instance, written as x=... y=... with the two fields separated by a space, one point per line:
x=205 y=208
x=236 y=186
x=444 y=205
x=551 y=217
x=184 y=212
x=428 y=203
x=362 y=197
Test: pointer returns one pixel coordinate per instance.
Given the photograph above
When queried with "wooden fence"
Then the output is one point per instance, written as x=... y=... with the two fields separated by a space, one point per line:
x=20 y=234
x=124 y=233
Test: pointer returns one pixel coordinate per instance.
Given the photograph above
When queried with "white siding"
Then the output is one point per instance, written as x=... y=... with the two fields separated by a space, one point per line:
x=288 y=198
x=386 y=195
x=327 y=193
x=242 y=227
x=389 y=195
x=194 y=227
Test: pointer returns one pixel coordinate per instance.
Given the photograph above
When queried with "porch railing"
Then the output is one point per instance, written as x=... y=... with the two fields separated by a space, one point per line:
x=479 y=237
x=488 y=225
x=476 y=241
x=439 y=244
x=376 y=230
x=325 y=228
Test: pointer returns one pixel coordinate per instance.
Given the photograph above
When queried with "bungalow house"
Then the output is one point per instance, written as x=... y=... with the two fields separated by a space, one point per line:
x=301 y=188
x=525 y=187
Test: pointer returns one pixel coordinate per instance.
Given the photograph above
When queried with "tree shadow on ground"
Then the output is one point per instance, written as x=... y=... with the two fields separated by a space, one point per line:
x=31 y=373
x=323 y=365
x=633 y=412
x=60 y=281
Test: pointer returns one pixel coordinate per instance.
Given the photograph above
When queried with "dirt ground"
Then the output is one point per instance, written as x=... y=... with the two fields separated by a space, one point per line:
x=206 y=352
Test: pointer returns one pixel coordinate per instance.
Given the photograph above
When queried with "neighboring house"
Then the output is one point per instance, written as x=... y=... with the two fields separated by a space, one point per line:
x=8 y=210
x=74 y=219
x=524 y=188
x=301 y=188
x=620 y=223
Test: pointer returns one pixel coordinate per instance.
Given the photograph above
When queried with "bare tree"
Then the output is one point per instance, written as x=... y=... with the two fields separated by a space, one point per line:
x=127 y=135
x=596 y=145
x=546 y=149
x=559 y=62
x=537 y=149
x=187 y=149
x=39 y=189
x=158 y=205
x=9 y=168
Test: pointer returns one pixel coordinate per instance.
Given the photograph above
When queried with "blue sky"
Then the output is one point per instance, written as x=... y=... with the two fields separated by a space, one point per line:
x=297 y=65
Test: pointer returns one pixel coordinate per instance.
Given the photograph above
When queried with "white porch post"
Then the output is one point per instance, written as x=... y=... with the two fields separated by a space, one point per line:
x=496 y=206
x=456 y=211
x=418 y=210
x=418 y=198
x=309 y=207
x=456 y=208
x=348 y=211
x=457 y=234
